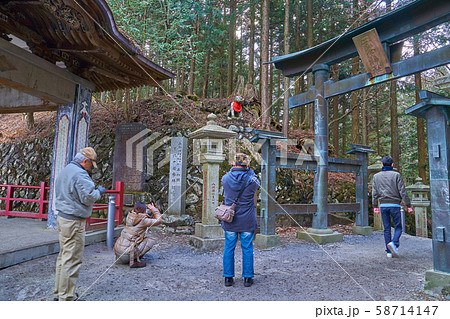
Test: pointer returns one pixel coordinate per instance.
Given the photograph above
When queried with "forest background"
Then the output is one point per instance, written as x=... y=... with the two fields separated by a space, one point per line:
x=211 y=44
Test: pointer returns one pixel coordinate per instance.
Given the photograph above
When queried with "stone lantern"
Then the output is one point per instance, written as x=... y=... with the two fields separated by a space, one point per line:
x=208 y=234
x=420 y=203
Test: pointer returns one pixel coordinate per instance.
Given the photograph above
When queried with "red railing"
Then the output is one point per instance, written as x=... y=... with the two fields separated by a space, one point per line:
x=91 y=223
x=10 y=199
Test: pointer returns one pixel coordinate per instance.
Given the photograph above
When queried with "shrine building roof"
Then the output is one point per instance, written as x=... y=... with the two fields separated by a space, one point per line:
x=83 y=35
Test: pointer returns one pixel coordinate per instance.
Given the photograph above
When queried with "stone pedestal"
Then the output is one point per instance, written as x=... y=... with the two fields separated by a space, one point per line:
x=266 y=241
x=206 y=244
x=437 y=282
x=320 y=236
x=362 y=230
x=209 y=231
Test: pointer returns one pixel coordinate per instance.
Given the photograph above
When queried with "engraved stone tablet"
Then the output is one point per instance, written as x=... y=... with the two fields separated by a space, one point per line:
x=129 y=156
x=177 y=178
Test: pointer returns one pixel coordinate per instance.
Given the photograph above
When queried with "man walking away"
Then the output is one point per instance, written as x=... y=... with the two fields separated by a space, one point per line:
x=75 y=194
x=388 y=190
x=244 y=221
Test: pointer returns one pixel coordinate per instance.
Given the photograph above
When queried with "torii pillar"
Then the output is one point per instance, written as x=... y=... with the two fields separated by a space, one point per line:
x=319 y=232
x=71 y=136
x=436 y=110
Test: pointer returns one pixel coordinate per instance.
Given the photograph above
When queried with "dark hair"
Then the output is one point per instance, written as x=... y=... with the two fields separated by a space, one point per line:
x=387 y=161
x=139 y=207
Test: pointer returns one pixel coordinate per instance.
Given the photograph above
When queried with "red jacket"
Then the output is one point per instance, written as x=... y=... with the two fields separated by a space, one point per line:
x=237 y=107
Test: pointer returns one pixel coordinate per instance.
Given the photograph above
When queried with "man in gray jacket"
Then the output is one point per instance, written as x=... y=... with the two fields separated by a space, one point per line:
x=388 y=191
x=75 y=194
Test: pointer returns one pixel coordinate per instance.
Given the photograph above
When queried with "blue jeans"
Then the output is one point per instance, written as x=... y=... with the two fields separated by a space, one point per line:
x=386 y=213
x=246 y=239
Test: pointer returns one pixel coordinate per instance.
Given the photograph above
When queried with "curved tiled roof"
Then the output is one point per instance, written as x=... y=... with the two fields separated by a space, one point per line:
x=83 y=35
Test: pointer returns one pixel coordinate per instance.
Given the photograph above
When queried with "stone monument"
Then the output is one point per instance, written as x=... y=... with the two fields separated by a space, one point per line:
x=130 y=156
x=420 y=203
x=372 y=170
x=177 y=179
x=208 y=234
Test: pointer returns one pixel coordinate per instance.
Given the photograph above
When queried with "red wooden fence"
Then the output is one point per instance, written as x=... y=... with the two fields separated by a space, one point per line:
x=91 y=223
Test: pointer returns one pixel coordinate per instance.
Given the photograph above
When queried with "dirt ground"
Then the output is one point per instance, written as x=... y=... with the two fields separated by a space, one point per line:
x=355 y=269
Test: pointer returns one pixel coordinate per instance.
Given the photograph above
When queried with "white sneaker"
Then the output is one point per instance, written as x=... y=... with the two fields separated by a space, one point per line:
x=388 y=255
x=393 y=249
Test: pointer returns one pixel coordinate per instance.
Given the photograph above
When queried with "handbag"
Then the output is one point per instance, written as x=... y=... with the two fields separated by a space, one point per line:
x=226 y=212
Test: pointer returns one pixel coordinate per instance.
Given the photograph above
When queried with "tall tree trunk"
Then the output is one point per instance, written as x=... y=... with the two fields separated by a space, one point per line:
x=241 y=46
x=192 y=66
x=206 y=75
x=421 y=145
x=178 y=78
x=270 y=75
x=30 y=120
x=335 y=105
x=264 y=67
x=302 y=109
x=309 y=40
x=183 y=79
x=286 y=79
x=298 y=79
x=251 y=53
x=378 y=125
x=278 y=100
x=354 y=94
x=344 y=132
x=365 y=136
x=395 y=145
x=221 y=81
x=231 y=36
x=191 y=76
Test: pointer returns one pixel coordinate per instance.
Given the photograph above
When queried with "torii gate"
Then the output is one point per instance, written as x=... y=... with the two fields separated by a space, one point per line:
x=54 y=55
x=397 y=25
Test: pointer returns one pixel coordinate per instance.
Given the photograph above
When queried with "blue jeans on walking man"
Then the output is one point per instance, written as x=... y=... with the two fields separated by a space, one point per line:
x=386 y=214
x=246 y=239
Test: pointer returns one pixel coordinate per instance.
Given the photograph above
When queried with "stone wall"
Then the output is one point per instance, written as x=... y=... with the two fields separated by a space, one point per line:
x=29 y=163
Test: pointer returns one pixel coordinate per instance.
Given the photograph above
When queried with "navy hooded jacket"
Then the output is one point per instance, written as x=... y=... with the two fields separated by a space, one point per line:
x=245 y=212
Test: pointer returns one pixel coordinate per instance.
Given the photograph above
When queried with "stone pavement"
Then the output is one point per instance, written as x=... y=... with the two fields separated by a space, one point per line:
x=23 y=239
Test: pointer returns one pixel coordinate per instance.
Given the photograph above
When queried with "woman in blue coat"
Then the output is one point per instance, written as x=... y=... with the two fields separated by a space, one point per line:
x=244 y=222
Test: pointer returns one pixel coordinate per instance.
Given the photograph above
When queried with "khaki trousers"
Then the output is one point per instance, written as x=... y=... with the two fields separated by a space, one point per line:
x=71 y=244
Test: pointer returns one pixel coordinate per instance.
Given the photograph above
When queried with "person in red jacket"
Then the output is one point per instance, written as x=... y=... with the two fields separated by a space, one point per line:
x=235 y=108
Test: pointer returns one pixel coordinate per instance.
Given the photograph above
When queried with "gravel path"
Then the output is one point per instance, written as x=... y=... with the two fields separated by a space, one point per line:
x=355 y=269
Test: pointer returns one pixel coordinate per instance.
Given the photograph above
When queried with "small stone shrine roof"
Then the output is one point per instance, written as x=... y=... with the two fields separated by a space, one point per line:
x=83 y=35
